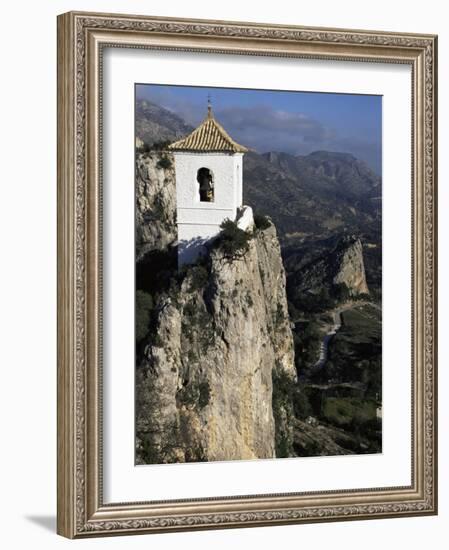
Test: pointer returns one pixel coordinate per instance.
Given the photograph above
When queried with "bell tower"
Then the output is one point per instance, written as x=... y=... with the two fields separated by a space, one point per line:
x=208 y=168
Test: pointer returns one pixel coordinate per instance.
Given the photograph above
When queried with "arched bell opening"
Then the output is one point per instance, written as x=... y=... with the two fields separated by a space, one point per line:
x=205 y=179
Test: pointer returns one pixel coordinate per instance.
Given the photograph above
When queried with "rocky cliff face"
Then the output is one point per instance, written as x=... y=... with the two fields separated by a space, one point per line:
x=204 y=385
x=349 y=267
x=342 y=266
x=155 y=202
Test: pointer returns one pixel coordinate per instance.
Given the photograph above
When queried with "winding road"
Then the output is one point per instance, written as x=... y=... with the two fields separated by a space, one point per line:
x=324 y=347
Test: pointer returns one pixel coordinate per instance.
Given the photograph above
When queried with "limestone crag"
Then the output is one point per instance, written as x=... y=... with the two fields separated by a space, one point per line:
x=350 y=269
x=343 y=266
x=205 y=384
x=155 y=202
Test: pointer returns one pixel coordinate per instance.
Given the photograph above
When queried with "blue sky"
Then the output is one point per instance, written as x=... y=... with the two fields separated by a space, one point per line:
x=294 y=122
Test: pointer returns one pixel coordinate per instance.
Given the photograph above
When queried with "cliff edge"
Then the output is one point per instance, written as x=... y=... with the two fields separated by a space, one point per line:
x=220 y=333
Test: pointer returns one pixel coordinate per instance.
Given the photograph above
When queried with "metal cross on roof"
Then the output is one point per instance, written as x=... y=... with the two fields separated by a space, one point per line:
x=209 y=105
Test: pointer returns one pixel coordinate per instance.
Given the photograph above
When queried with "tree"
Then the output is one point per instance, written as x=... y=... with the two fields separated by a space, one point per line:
x=233 y=241
x=164 y=162
x=144 y=305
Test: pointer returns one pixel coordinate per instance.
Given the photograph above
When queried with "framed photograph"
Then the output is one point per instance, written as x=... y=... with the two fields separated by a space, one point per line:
x=246 y=274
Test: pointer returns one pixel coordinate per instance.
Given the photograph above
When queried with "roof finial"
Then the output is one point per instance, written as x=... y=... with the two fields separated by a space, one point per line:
x=209 y=107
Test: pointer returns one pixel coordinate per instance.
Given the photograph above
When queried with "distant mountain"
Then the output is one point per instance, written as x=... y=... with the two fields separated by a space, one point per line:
x=335 y=174
x=340 y=271
x=155 y=124
x=326 y=208
x=204 y=386
x=314 y=195
x=313 y=200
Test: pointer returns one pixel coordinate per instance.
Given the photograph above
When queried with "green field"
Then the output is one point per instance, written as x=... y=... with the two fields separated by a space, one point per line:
x=362 y=324
x=344 y=395
x=347 y=411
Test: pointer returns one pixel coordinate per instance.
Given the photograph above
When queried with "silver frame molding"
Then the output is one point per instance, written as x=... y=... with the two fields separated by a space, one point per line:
x=81 y=38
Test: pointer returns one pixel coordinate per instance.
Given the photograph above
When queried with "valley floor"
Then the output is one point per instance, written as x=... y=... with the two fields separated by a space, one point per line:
x=342 y=386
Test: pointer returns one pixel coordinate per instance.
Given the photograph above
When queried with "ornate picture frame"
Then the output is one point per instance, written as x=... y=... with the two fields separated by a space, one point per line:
x=82 y=38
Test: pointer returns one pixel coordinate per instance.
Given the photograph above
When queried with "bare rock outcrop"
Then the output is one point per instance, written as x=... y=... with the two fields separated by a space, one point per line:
x=349 y=268
x=341 y=267
x=155 y=202
x=205 y=386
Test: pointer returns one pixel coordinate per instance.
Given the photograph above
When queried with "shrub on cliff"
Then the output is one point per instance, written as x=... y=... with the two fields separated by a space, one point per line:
x=261 y=222
x=195 y=394
x=199 y=277
x=233 y=241
x=341 y=292
x=144 y=305
x=283 y=412
x=301 y=403
x=160 y=145
x=164 y=162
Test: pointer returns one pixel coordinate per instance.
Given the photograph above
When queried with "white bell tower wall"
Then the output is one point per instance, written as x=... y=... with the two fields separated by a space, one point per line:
x=198 y=220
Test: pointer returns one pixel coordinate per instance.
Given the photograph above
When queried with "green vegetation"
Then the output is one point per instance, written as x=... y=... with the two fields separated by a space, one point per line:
x=204 y=394
x=341 y=292
x=355 y=352
x=157 y=271
x=156 y=441
x=314 y=201
x=290 y=401
x=197 y=328
x=144 y=306
x=261 y=222
x=195 y=394
x=364 y=320
x=160 y=145
x=307 y=339
x=144 y=148
x=301 y=403
x=282 y=402
x=312 y=302
x=158 y=212
x=279 y=317
x=347 y=411
x=233 y=241
x=158 y=446
x=248 y=299
x=358 y=418
x=345 y=392
x=164 y=162
x=199 y=276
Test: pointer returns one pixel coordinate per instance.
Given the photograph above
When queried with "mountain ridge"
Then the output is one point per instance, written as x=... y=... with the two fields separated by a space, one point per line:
x=325 y=208
x=337 y=188
x=312 y=199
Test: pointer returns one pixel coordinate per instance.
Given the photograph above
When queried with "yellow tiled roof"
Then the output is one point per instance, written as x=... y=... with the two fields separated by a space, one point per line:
x=208 y=137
